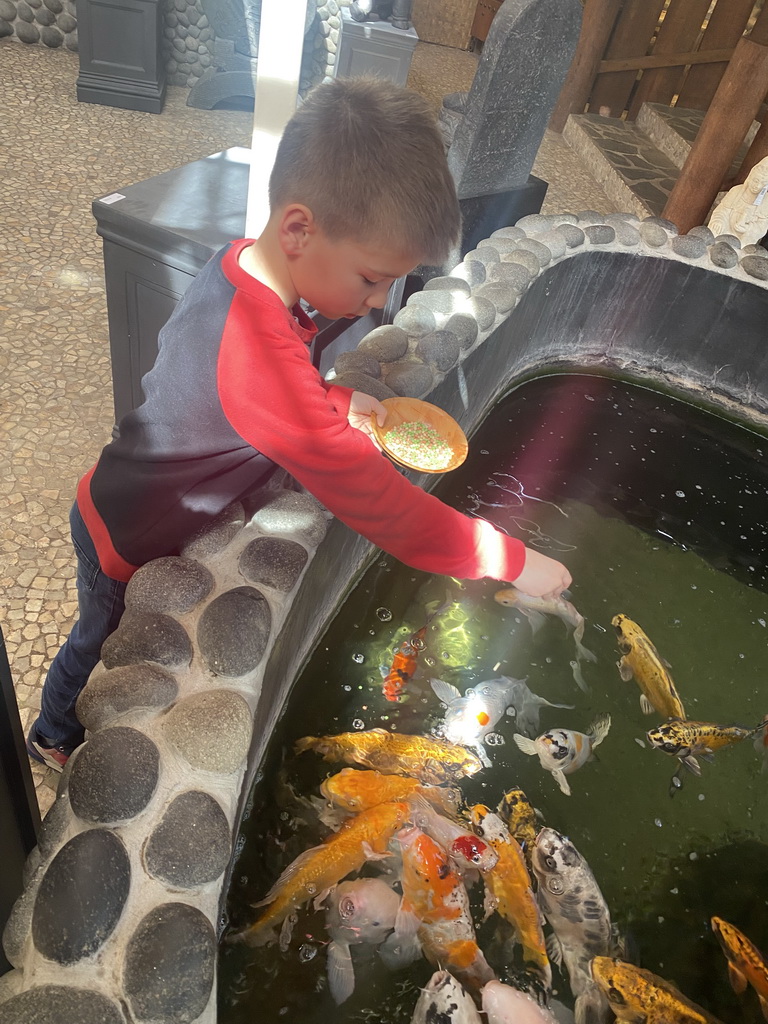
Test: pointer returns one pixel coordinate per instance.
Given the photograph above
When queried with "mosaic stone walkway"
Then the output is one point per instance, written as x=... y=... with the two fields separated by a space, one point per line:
x=56 y=156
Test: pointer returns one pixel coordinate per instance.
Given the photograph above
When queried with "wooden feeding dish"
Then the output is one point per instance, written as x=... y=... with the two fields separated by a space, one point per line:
x=412 y=410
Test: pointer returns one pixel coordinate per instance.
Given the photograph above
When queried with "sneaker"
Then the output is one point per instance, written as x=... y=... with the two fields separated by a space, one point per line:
x=39 y=750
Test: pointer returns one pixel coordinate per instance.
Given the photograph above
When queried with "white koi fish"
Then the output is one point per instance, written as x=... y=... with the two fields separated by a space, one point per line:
x=362 y=911
x=506 y=1005
x=470 y=718
x=562 y=751
x=444 y=1000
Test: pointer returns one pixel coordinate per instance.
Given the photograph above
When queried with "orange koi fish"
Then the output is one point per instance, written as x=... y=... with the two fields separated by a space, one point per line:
x=314 y=872
x=508 y=889
x=435 y=910
x=395 y=753
x=746 y=964
x=355 y=790
x=406 y=658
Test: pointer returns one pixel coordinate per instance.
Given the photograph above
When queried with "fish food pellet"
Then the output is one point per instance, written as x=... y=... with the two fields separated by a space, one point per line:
x=419 y=444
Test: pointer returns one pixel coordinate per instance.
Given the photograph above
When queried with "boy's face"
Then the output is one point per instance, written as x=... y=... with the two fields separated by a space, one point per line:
x=346 y=278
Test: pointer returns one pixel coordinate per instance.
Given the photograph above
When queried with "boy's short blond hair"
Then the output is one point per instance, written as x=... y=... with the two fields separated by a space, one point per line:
x=367 y=158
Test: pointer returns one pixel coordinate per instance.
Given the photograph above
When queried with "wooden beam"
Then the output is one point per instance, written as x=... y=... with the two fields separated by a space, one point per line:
x=665 y=60
x=734 y=106
x=596 y=27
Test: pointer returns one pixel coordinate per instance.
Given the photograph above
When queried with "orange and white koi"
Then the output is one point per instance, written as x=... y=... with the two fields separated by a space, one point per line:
x=508 y=889
x=315 y=871
x=562 y=751
x=435 y=911
x=355 y=790
x=429 y=760
x=405 y=659
x=746 y=964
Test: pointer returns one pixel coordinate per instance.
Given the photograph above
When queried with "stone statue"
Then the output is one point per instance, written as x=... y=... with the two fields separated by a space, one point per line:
x=743 y=212
x=398 y=12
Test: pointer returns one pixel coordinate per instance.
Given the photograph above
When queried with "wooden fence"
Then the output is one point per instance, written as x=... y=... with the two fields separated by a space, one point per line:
x=662 y=51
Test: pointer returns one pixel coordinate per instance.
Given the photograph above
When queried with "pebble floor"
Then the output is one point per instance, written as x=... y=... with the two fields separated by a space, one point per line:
x=56 y=157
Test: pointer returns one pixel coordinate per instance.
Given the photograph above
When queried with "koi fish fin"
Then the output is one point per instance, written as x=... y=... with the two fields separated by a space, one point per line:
x=591 y=1006
x=706 y=755
x=561 y=780
x=402 y=947
x=645 y=705
x=578 y=676
x=480 y=751
x=446 y=692
x=691 y=764
x=525 y=744
x=307 y=743
x=490 y=903
x=625 y=670
x=583 y=653
x=664 y=662
x=536 y=619
x=341 y=973
x=737 y=979
x=288 y=874
x=554 y=950
x=599 y=728
x=371 y=854
x=763 y=1005
x=286 y=931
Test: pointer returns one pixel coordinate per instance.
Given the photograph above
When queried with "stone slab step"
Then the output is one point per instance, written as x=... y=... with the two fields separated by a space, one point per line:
x=673 y=129
x=633 y=172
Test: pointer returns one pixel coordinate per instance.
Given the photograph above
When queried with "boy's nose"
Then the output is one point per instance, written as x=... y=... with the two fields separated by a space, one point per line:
x=378 y=296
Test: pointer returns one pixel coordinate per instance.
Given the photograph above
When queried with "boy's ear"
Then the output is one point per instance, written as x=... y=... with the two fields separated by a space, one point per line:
x=296 y=227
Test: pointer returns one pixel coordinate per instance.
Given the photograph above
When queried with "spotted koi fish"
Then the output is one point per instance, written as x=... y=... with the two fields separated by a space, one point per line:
x=637 y=995
x=746 y=964
x=689 y=740
x=406 y=659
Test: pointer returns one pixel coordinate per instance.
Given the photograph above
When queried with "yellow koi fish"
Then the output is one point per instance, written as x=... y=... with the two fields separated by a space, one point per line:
x=689 y=740
x=509 y=892
x=641 y=660
x=517 y=813
x=357 y=790
x=435 y=909
x=638 y=996
x=430 y=760
x=318 y=869
x=746 y=964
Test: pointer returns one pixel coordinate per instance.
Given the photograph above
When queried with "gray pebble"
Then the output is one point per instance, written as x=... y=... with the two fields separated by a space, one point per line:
x=662 y=222
x=587 y=217
x=484 y=253
x=723 y=255
x=385 y=343
x=653 y=234
x=512 y=273
x=555 y=242
x=621 y=218
x=273 y=561
x=526 y=259
x=538 y=249
x=703 y=232
x=358 y=381
x=438 y=302
x=410 y=379
x=732 y=240
x=441 y=349
x=755 y=266
x=482 y=310
x=600 y=234
x=573 y=235
x=564 y=218
x=755 y=249
x=626 y=234
x=173 y=584
x=454 y=285
x=211 y=730
x=233 y=631
x=363 y=362
x=502 y=245
x=471 y=271
x=513 y=232
x=52 y=1004
x=417 y=321
x=502 y=295
x=215 y=537
x=534 y=224
x=464 y=328
x=689 y=246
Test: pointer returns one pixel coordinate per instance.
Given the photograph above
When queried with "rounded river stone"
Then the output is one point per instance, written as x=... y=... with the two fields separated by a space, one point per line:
x=18 y=925
x=755 y=266
x=410 y=379
x=455 y=285
x=233 y=631
x=438 y=302
x=534 y=224
x=169 y=965
x=81 y=897
x=538 y=249
x=616 y=219
x=703 y=232
x=471 y=271
x=485 y=254
x=54 y=1004
x=172 y=584
x=362 y=382
x=147 y=637
x=142 y=686
x=513 y=232
x=273 y=561
x=7 y=10
x=600 y=234
x=590 y=217
x=54 y=825
x=293 y=512
x=463 y=327
x=555 y=242
x=626 y=234
x=416 y=321
x=211 y=730
x=483 y=310
x=653 y=234
x=754 y=249
x=441 y=348
x=217 y=534
x=385 y=343
x=191 y=844
x=502 y=295
x=662 y=222
x=502 y=245
x=512 y=273
x=115 y=775
x=573 y=235
x=363 y=362
x=723 y=255
x=732 y=240
x=688 y=246
x=526 y=259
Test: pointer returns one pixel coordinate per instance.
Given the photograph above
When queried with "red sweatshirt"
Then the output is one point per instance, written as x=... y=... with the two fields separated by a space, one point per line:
x=232 y=393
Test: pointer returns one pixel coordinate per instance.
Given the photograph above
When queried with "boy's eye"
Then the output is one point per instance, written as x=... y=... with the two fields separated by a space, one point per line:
x=372 y=283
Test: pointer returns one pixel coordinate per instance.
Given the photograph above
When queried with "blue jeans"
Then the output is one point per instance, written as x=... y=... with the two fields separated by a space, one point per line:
x=101 y=602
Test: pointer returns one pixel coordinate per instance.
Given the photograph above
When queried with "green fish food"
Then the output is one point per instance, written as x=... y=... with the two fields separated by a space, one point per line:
x=419 y=444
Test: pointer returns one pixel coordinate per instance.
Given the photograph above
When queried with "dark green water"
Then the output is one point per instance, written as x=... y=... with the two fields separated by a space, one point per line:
x=659 y=511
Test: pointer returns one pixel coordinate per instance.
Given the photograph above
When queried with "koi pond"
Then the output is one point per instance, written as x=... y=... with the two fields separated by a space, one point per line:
x=659 y=511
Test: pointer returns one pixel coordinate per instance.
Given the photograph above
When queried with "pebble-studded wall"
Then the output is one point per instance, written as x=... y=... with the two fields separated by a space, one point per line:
x=188 y=36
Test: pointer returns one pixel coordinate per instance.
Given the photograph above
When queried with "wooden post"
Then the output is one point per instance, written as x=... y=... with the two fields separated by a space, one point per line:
x=734 y=105
x=756 y=152
x=596 y=27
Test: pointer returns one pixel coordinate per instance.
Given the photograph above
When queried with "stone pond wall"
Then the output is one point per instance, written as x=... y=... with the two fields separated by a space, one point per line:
x=122 y=909
x=189 y=37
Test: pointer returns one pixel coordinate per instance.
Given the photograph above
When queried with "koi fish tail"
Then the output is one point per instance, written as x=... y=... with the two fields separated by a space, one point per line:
x=592 y=1006
x=582 y=653
x=599 y=728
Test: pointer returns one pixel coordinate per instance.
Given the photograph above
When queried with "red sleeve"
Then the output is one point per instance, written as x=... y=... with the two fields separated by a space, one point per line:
x=276 y=400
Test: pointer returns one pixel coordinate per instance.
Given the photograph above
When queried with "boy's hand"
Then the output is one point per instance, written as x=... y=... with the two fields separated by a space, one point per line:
x=542 y=576
x=359 y=415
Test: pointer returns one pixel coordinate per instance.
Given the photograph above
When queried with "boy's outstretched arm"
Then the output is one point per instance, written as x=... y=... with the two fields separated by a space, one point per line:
x=542 y=576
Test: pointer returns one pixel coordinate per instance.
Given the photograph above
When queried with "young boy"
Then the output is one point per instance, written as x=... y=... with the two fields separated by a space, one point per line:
x=359 y=195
